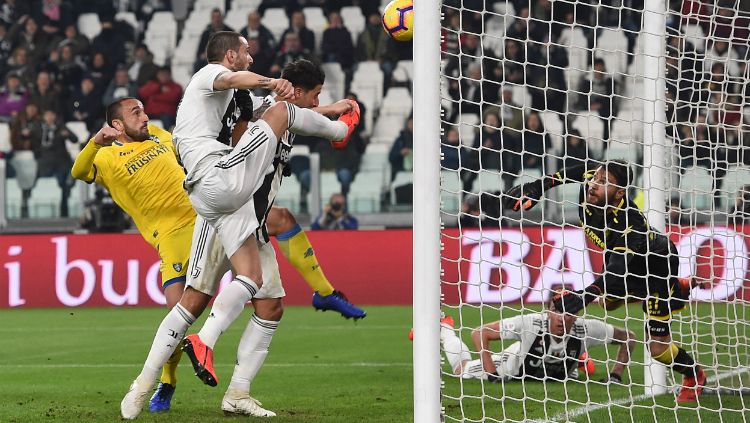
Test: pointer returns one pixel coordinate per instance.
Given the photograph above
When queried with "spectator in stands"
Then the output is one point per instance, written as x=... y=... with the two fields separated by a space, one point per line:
x=513 y=61
x=110 y=40
x=262 y=60
x=101 y=72
x=470 y=215
x=298 y=26
x=534 y=142
x=291 y=51
x=161 y=97
x=337 y=43
x=598 y=95
x=35 y=41
x=120 y=87
x=488 y=143
x=6 y=48
x=85 y=105
x=23 y=165
x=374 y=44
x=52 y=155
x=720 y=52
x=255 y=29
x=740 y=213
x=70 y=69
x=57 y=15
x=401 y=152
x=699 y=146
x=576 y=151
x=335 y=215
x=217 y=24
x=450 y=149
x=79 y=42
x=46 y=95
x=19 y=65
x=143 y=68
x=11 y=11
x=13 y=98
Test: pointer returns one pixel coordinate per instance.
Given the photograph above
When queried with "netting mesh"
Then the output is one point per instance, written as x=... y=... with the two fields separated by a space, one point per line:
x=530 y=88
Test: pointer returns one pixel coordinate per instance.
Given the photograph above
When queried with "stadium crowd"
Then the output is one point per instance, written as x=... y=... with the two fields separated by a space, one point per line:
x=529 y=81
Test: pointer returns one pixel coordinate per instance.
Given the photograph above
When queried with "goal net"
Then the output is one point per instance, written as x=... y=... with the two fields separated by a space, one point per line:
x=532 y=87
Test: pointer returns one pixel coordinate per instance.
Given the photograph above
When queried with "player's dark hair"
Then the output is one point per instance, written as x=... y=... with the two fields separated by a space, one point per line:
x=620 y=169
x=221 y=42
x=303 y=74
x=114 y=110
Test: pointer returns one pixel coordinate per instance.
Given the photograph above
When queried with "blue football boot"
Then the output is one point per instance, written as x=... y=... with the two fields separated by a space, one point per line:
x=337 y=301
x=162 y=398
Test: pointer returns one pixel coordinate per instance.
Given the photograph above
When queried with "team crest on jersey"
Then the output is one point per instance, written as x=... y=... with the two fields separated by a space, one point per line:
x=177 y=267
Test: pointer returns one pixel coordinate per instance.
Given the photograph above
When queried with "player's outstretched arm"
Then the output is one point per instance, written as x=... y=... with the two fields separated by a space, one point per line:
x=336 y=109
x=250 y=80
x=481 y=338
x=83 y=168
x=527 y=195
x=626 y=339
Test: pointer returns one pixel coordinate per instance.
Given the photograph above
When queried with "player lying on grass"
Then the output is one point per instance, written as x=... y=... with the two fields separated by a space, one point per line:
x=549 y=345
x=233 y=191
x=136 y=162
x=640 y=262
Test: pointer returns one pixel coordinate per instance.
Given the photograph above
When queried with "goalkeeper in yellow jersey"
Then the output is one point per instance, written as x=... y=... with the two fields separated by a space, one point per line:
x=641 y=263
x=137 y=163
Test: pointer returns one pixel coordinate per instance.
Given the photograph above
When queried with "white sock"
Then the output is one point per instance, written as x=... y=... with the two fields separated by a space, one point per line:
x=308 y=122
x=252 y=352
x=455 y=350
x=171 y=331
x=228 y=305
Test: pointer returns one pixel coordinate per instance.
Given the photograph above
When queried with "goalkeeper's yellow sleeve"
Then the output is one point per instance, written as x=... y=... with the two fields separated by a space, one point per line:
x=84 y=168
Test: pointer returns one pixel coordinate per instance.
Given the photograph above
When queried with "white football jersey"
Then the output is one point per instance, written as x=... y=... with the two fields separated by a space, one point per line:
x=541 y=355
x=199 y=120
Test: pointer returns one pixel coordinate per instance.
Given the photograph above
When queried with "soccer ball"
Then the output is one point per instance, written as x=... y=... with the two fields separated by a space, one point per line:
x=398 y=19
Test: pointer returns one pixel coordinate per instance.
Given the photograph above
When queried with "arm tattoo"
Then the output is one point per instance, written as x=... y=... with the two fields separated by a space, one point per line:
x=264 y=82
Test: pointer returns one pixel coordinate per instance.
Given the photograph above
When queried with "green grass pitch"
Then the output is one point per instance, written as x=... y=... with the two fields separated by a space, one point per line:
x=76 y=364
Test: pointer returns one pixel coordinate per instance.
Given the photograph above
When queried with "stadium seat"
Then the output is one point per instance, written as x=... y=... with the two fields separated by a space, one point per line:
x=397 y=101
x=488 y=181
x=247 y=5
x=45 y=199
x=450 y=191
x=402 y=178
x=375 y=162
x=735 y=178
x=353 y=21
x=316 y=22
x=335 y=79
x=591 y=127
x=567 y=195
x=387 y=129
x=507 y=11
x=288 y=195
x=208 y=5
x=404 y=71
x=236 y=18
x=555 y=128
x=89 y=25
x=326 y=97
x=695 y=35
x=365 y=191
x=276 y=21
x=196 y=23
x=612 y=47
x=82 y=134
x=5 y=145
x=695 y=189
x=468 y=128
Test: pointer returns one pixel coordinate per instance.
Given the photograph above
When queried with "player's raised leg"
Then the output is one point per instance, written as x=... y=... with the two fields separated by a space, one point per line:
x=665 y=351
x=296 y=247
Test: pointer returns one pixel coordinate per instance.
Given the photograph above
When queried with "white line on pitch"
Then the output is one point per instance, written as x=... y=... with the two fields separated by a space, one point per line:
x=578 y=412
x=149 y=328
x=125 y=365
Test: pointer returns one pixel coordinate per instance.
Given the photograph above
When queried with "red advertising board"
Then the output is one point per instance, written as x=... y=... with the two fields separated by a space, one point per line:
x=372 y=267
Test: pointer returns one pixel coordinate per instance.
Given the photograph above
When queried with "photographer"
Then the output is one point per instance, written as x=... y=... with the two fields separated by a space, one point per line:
x=335 y=215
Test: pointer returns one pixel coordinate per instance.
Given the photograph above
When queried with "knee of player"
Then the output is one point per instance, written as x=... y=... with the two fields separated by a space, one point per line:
x=281 y=220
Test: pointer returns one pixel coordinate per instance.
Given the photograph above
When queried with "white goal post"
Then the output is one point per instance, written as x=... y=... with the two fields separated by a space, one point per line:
x=506 y=91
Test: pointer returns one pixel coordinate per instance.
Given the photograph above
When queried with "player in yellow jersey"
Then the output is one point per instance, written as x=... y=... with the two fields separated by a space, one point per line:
x=138 y=164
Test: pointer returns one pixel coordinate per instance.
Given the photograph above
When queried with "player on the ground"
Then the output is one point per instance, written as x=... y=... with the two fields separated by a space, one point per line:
x=233 y=191
x=548 y=346
x=640 y=262
x=128 y=158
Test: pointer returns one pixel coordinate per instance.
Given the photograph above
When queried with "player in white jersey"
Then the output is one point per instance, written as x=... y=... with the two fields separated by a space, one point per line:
x=233 y=191
x=548 y=346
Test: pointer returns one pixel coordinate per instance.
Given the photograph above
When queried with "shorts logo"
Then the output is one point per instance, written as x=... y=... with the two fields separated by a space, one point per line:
x=309 y=252
x=177 y=267
x=196 y=272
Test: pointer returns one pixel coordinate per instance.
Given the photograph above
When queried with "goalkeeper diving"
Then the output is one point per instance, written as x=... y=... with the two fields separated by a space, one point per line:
x=641 y=263
x=549 y=345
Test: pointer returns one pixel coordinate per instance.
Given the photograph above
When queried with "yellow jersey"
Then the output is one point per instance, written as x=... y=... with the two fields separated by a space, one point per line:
x=144 y=178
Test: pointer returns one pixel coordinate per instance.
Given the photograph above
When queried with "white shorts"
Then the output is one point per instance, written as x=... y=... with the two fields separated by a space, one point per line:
x=508 y=363
x=208 y=263
x=223 y=194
